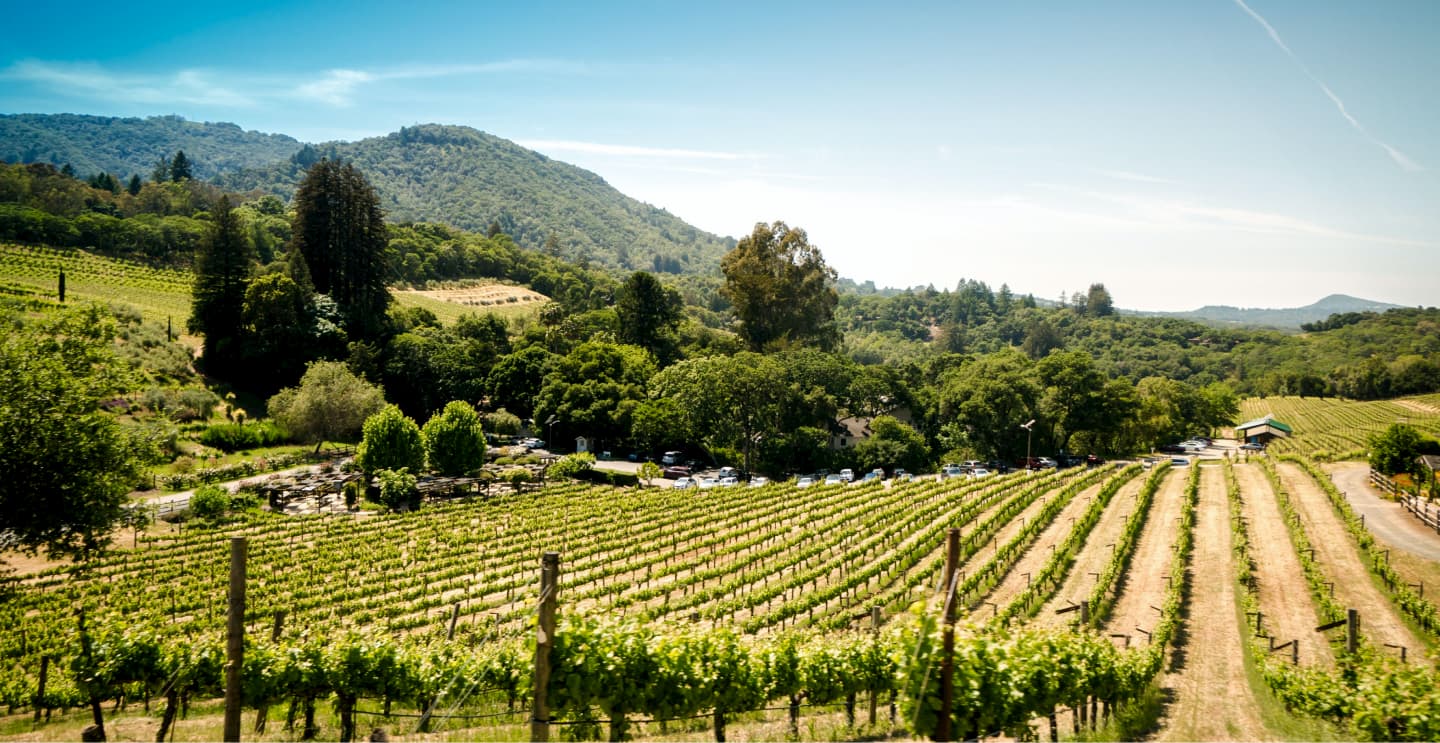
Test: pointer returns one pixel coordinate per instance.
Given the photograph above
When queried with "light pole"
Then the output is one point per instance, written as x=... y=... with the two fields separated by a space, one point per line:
x=1028 y=433
x=550 y=442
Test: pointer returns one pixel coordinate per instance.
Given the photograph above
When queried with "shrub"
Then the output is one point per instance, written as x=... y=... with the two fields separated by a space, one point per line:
x=502 y=421
x=397 y=489
x=572 y=465
x=232 y=437
x=210 y=502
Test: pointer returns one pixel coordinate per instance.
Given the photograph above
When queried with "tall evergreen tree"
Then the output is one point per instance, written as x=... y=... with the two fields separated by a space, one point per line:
x=340 y=231
x=180 y=167
x=134 y=186
x=649 y=314
x=222 y=272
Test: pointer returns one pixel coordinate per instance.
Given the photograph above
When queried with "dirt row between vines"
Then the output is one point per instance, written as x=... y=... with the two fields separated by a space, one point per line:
x=1336 y=552
x=1210 y=696
x=1094 y=555
x=1036 y=555
x=1285 y=600
x=1143 y=584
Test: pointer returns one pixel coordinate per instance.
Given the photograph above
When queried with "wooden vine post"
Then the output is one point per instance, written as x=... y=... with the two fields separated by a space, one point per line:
x=544 y=640
x=943 y=731
x=235 y=638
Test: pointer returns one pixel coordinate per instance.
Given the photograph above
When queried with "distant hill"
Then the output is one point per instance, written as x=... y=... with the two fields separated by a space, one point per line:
x=126 y=147
x=1291 y=318
x=451 y=174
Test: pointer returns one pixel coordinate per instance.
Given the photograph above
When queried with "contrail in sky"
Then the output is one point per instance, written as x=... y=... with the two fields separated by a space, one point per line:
x=1399 y=157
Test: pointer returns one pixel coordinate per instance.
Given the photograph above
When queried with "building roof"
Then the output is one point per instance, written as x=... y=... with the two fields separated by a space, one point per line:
x=1430 y=461
x=1266 y=421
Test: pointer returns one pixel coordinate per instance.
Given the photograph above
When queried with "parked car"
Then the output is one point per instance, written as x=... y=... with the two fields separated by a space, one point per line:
x=846 y=475
x=729 y=472
x=1179 y=461
x=951 y=470
x=1172 y=449
x=709 y=482
x=670 y=457
x=729 y=482
x=759 y=481
x=834 y=480
x=1252 y=446
x=1093 y=461
x=871 y=477
x=901 y=474
x=677 y=470
x=980 y=472
x=683 y=483
x=805 y=482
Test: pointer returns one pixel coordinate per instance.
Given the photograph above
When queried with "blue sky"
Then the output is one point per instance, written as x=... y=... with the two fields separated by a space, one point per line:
x=1256 y=153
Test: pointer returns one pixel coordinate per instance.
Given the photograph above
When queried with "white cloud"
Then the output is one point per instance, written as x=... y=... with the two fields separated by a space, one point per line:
x=335 y=88
x=192 y=86
x=204 y=87
x=1399 y=157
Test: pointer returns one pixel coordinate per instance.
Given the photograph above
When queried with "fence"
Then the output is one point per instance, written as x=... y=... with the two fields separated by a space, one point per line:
x=1428 y=513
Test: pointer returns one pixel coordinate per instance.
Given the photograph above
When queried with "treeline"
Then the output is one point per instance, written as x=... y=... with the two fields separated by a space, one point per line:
x=1362 y=356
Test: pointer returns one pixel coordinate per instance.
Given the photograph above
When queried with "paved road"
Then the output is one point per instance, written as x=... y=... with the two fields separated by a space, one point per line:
x=1387 y=520
x=176 y=501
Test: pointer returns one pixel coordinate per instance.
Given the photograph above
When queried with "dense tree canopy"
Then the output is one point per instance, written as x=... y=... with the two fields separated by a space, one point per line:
x=66 y=465
x=454 y=440
x=222 y=273
x=340 y=231
x=331 y=404
x=782 y=291
x=391 y=441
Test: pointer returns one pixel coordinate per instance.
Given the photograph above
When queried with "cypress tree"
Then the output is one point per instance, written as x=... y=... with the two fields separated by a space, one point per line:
x=134 y=187
x=180 y=167
x=62 y=286
x=222 y=272
x=340 y=232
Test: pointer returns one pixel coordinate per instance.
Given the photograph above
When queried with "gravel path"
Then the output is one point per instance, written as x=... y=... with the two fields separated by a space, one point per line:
x=1385 y=519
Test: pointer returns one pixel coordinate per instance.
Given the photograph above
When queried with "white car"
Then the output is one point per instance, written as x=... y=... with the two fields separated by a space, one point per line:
x=671 y=457
x=726 y=482
x=708 y=483
x=835 y=480
x=759 y=481
x=846 y=475
x=805 y=482
x=683 y=483
x=980 y=472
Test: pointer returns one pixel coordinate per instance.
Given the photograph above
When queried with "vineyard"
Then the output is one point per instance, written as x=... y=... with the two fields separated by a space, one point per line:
x=760 y=607
x=32 y=274
x=1333 y=429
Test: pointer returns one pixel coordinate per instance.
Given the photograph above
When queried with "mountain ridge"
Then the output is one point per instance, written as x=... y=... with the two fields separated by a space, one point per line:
x=1285 y=317
x=453 y=174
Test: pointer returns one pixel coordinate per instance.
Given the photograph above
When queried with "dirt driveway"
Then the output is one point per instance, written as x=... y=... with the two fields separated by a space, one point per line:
x=1385 y=519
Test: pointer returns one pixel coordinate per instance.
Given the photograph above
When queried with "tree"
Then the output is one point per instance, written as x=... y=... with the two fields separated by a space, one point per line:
x=892 y=444
x=729 y=401
x=649 y=471
x=782 y=290
x=180 y=167
x=133 y=188
x=331 y=404
x=222 y=273
x=281 y=331
x=515 y=379
x=209 y=502
x=391 y=442
x=594 y=389
x=648 y=314
x=454 y=440
x=571 y=466
x=1395 y=450
x=503 y=422
x=988 y=399
x=1098 y=302
x=66 y=466
x=340 y=230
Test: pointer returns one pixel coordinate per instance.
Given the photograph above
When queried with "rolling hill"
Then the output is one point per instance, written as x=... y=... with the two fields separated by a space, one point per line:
x=451 y=174
x=1290 y=318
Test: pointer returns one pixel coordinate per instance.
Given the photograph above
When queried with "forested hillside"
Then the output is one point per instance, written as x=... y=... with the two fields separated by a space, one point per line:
x=448 y=174
x=124 y=147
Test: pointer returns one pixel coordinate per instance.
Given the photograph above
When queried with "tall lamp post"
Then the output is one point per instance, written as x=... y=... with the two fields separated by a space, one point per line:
x=550 y=442
x=1029 y=426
